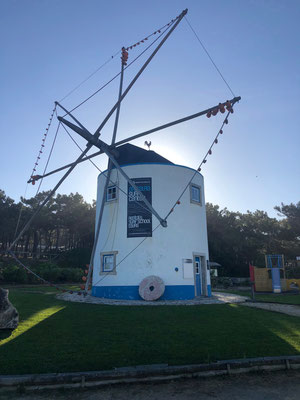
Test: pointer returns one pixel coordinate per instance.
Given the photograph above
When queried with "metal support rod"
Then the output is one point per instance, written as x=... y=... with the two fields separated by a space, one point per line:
x=162 y=221
x=103 y=146
x=97 y=133
x=49 y=196
x=113 y=140
x=72 y=116
x=109 y=168
x=83 y=133
x=168 y=125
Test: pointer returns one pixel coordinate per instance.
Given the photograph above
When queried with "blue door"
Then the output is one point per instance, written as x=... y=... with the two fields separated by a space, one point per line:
x=197 y=270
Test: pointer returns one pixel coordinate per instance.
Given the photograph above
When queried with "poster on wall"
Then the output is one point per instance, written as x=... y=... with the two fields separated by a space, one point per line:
x=139 y=217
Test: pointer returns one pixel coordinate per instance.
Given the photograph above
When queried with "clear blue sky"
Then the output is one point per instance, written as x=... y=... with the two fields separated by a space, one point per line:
x=48 y=47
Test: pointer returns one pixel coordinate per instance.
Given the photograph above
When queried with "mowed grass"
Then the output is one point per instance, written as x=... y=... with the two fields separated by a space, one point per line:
x=282 y=298
x=58 y=336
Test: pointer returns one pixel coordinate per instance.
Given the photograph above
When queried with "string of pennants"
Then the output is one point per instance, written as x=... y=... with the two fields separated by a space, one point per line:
x=124 y=58
x=125 y=50
x=152 y=34
x=221 y=107
x=33 y=175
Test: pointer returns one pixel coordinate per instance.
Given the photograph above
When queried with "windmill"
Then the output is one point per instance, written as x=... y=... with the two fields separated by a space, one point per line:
x=111 y=150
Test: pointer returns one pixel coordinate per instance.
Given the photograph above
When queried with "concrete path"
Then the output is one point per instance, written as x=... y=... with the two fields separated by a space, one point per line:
x=282 y=308
x=217 y=298
x=265 y=386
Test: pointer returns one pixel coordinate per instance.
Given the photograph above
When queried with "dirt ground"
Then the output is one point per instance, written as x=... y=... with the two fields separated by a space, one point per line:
x=262 y=386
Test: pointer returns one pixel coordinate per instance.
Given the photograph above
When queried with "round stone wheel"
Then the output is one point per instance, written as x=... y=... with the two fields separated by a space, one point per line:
x=151 y=288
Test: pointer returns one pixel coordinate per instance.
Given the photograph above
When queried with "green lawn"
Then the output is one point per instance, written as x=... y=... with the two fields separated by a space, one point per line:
x=58 y=336
x=267 y=297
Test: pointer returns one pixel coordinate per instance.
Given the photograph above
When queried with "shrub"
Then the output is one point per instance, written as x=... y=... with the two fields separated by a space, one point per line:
x=12 y=273
x=76 y=258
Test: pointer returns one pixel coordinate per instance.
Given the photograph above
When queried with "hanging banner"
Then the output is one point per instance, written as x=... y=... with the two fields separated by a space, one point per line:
x=139 y=217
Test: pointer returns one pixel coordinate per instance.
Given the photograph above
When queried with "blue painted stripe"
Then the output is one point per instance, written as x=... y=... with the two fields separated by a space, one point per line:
x=172 y=292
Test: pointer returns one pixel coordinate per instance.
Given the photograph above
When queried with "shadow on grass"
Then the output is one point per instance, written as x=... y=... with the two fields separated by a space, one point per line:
x=82 y=337
x=5 y=333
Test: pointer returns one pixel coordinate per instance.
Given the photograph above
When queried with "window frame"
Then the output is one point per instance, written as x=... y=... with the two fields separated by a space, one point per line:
x=106 y=254
x=108 y=200
x=199 y=203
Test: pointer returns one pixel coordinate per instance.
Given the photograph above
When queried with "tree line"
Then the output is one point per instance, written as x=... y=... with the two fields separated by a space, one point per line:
x=235 y=239
x=67 y=223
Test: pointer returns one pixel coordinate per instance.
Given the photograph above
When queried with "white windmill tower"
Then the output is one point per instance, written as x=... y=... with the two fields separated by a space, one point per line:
x=139 y=252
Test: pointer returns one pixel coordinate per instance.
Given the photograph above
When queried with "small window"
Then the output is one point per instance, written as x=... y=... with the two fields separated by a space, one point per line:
x=111 y=193
x=195 y=192
x=108 y=263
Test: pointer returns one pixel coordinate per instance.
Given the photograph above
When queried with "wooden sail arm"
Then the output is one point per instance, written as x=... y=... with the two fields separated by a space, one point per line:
x=92 y=140
x=121 y=142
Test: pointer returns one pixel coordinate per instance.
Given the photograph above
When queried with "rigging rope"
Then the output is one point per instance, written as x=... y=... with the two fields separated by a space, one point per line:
x=34 y=169
x=20 y=213
x=43 y=143
x=92 y=74
x=104 y=174
x=119 y=73
x=38 y=276
x=209 y=152
x=204 y=160
x=49 y=156
x=127 y=255
x=113 y=56
x=152 y=34
x=209 y=56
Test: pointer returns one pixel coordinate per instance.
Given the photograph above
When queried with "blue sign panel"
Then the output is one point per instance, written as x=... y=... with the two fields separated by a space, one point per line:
x=139 y=217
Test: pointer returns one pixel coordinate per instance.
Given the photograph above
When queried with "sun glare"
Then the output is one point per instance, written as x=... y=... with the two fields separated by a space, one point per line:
x=31 y=322
x=170 y=153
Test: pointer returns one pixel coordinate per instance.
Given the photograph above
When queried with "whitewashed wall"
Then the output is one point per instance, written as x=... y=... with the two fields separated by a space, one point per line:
x=160 y=254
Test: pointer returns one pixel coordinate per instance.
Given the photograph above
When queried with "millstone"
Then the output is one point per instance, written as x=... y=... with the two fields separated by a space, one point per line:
x=9 y=316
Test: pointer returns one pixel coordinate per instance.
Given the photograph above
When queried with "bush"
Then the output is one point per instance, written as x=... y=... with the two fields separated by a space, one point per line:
x=76 y=258
x=213 y=280
x=12 y=273
x=224 y=282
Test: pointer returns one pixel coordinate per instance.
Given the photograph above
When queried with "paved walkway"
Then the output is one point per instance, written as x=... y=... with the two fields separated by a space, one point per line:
x=217 y=298
x=282 y=308
x=273 y=386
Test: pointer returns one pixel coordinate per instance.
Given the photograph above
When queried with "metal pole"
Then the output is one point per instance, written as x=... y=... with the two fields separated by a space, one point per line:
x=72 y=116
x=50 y=195
x=97 y=133
x=109 y=168
x=168 y=125
x=178 y=121
x=162 y=221
x=252 y=291
x=106 y=149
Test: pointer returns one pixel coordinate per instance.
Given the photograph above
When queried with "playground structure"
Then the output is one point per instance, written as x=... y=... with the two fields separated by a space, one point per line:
x=273 y=277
